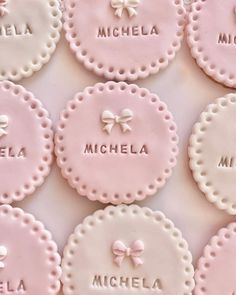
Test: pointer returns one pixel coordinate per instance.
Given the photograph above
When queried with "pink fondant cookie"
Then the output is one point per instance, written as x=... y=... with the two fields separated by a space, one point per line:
x=215 y=274
x=212 y=38
x=116 y=143
x=26 y=143
x=29 y=262
x=124 y=39
x=29 y=31
x=212 y=153
x=124 y=250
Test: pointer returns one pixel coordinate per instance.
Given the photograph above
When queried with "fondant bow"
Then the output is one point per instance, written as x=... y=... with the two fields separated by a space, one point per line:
x=120 y=251
x=3 y=255
x=3 y=9
x=130 y=5
x=109 y=119
x=3 y=125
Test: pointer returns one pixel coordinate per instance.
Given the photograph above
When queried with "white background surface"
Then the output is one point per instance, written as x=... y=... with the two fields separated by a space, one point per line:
x=187 y=91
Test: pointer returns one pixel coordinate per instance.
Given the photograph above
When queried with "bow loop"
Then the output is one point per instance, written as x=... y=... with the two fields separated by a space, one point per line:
x=3 y=9
x=130 y=5
x=120 y=251
x=109 y=119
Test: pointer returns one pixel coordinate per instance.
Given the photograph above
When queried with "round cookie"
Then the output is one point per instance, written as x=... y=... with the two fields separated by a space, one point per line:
x=212 y=38
x=26 y=143
x=116 y=143
x=127 y=249
x=124 y=39
x=29 y=33
x=29 y=262
x=212 y=153
x=216 y=268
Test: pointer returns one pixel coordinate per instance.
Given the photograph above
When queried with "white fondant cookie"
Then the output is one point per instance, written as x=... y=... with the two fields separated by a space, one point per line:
x=213 y=153
x=26 y=143
x=116 y=143
x=124 y=250
x=29 y=31
x=124 y=39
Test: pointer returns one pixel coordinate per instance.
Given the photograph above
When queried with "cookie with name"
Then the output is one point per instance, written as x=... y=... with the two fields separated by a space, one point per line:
x=29 y=261
x=26 y=143
x=212 y=153
x=29 y=32
x=116 y=143
x=212 y=38
x=124 y=39
x=215 y=273
x=127 y=249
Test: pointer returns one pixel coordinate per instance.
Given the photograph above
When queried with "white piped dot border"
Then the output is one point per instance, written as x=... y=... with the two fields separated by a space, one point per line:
x=111 y=212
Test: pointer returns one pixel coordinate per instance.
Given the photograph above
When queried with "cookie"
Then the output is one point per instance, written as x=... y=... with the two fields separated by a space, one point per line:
x=216 y=268
x=26 y=143
x=29 y=262
x=116 y=143
x=29 y=33
x=124 y=250
x=212 y=38
x=124 y=39
x=212 y=153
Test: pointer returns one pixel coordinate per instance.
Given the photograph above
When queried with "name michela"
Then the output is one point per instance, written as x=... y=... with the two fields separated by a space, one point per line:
x=127 y=31
x=115 y=149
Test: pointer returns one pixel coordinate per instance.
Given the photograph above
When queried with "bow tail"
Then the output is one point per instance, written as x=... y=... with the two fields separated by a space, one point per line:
x=118 y=260
x=132 y=11
x=137 y=261
x=108 y=127
x=125 y=127
x=3 y=11
x=119 y=12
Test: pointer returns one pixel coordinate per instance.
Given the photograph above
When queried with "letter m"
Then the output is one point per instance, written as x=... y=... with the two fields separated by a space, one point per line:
x=224 y=162
x=222 y=39
x=102 y=32
x=97 y=281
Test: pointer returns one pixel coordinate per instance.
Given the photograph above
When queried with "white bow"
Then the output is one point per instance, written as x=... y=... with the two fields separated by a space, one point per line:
x=3 y=255
x=3 y=9
x=134 y=252
x=3 y=125
x=120 y=5
x=109 y=119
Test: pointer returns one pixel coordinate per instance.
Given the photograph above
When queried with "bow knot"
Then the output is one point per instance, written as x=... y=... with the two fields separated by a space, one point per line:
x=120 y=251
x=3 y=9
x=3 y=125
x=130 y=5
x=109 y=119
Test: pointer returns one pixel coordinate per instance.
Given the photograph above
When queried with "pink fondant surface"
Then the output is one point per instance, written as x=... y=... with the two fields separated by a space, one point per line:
x=124 y=57
x=212 y=38
x=215 y=274
x=116 y=177
x=29 y=128
x=31 y=257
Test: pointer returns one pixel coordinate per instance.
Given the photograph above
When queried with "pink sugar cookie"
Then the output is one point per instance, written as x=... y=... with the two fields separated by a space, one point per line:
x=25 y=143
x=116 y=143
x=127 y=250
x=215 y=274
x=29 y=262
x=124 y=39
x=212 y=38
